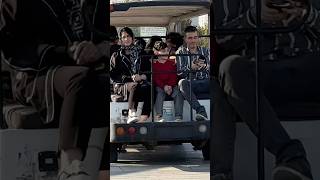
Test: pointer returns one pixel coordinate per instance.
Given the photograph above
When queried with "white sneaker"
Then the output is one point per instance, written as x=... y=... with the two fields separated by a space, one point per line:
x=74 y=171
x=201 y=114
x=159 y=119
x=201 y=117
x=132 y=119
x=178 y=120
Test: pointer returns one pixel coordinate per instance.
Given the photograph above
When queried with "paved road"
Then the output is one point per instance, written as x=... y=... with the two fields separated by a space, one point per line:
x=177 y=162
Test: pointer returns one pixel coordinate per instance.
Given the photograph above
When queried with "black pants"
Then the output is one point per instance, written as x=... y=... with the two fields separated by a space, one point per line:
x=105 y=163
x=289 y=79
x=140 y=93
x=84 y=104
x=80 y=102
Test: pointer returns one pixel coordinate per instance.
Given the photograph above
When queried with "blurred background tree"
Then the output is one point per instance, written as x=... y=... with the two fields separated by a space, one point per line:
x=204 y=30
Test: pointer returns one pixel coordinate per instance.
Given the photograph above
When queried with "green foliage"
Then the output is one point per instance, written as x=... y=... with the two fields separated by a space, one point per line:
x=204 y=30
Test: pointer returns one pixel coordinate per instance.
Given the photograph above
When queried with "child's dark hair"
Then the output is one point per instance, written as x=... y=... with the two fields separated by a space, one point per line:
x=158 y=45
x=152 y=40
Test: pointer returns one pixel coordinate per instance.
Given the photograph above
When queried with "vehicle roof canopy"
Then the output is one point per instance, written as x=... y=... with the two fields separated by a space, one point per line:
x=156 y=13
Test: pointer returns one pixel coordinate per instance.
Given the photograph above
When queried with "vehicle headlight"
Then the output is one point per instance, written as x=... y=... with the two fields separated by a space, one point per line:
x=202 y=128
x=143 y=130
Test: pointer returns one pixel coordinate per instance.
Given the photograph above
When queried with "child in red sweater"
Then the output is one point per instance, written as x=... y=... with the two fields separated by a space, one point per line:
x=165 y=81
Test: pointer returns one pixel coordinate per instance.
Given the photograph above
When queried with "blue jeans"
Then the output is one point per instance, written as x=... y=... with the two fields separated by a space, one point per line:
x=197 y=87
x=177 y=97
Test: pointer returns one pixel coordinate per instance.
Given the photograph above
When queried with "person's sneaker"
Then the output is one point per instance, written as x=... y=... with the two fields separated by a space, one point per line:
x=178 y=119
x=74 y=171
x=133 y=118
x=221 y=177
x=295 y=169
x=201 y=114
x=159 y=119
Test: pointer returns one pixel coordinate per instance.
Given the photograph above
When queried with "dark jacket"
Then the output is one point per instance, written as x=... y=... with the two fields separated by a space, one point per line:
x=34 y=45
x=39 y=36
x=238 y=14
x=122 y=68
x=184 y=67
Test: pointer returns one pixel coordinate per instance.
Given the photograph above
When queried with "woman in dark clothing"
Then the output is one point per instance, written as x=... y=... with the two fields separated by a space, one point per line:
x=130 y=70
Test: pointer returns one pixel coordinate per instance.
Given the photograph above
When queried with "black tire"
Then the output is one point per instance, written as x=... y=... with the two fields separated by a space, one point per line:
x=206 y=151
x=148 y=146
x=113 y=153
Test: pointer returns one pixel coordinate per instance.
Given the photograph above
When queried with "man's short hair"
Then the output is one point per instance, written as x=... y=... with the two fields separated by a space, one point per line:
x=190 y=29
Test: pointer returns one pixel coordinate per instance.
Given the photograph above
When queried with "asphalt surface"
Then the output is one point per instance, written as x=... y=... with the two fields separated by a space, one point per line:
x=174 y=162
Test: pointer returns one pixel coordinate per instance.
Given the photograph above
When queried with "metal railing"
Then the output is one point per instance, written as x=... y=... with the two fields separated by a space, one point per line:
x=190 y=75
x=258 y=32
x=2 y=121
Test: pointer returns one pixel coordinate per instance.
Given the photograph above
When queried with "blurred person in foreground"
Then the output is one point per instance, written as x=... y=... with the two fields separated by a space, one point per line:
x=57 y=52
x=290 y=65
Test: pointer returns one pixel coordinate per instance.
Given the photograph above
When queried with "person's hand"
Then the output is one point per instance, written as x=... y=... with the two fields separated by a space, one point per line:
x=297 y=11
x=104 y=48
x=136 y=78
x=72 y=48
x=85 y=52
x=276 y=15
x=165 y=88
x=195 y=65
x=172 y=58
x=270 y=15
x=168 y=89
x=202 y=66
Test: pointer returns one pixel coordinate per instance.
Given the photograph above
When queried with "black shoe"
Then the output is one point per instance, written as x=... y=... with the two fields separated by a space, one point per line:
x=295 y=169
x=201 y=114
x=221 y=177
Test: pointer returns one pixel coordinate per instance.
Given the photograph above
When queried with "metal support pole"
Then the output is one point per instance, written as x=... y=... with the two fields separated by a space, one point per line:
x=258 y=45
x=1 y=92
